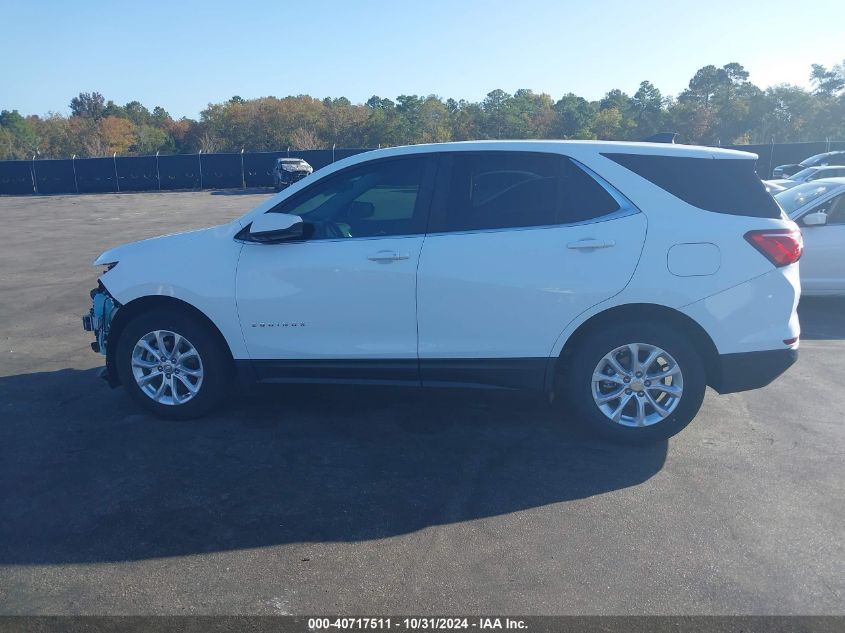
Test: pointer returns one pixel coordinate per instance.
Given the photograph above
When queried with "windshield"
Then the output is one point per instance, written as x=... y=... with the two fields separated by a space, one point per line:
x=812 y=160
x=817 y=158
x=791 y=200
x=804 y=173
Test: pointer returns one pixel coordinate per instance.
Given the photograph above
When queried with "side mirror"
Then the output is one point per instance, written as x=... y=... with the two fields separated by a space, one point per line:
x=276 y=227
x=818 y=218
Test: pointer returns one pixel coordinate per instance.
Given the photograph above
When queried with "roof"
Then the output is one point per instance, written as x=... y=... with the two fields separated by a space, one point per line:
x=570 y=147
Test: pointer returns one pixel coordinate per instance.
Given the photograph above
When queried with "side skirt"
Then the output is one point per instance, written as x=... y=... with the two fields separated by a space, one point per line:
x=487 y=373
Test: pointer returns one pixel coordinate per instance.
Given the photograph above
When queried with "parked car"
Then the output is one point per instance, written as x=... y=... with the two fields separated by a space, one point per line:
x=819 y=208
x=619 y=277
x=772 y=188
x=287 y=171
x=819 y=160
x=808 y=175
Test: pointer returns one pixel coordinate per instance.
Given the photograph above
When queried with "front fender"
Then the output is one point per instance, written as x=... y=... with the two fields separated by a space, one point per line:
x=197 y=268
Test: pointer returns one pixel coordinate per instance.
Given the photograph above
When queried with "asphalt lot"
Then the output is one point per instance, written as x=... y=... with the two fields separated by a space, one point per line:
x=362 y=501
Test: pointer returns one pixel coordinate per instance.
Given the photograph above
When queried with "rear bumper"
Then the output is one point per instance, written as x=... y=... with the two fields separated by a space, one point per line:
x=751 y=370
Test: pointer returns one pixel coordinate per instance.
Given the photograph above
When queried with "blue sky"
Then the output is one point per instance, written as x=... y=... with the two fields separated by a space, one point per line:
x=183 y=55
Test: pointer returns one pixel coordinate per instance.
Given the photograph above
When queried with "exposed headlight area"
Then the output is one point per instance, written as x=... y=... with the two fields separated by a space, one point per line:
x=103 y=309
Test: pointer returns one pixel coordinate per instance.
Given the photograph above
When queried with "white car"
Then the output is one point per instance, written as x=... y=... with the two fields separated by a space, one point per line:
x=615 y=275
x=819 y=208
x=808 y=174
x=772 y=188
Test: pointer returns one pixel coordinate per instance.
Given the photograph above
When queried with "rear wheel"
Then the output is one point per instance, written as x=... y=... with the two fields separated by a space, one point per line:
x=635 y=383
x=172 y=364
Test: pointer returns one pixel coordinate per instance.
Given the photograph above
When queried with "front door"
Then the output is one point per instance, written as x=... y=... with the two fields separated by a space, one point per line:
x=822 y=265
x=341 y=303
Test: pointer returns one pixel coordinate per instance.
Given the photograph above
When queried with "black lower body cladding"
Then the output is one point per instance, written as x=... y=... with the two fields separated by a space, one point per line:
x=752 y=370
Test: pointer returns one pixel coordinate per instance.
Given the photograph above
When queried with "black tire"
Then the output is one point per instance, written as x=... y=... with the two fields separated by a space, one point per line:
x=578 y=381
x=216 y=363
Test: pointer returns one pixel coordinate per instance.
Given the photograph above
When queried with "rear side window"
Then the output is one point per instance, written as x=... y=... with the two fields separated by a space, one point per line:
x=495 y=190
x=727 y=185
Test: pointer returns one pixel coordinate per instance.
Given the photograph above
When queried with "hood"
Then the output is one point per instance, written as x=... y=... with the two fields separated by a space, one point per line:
x=168 y=245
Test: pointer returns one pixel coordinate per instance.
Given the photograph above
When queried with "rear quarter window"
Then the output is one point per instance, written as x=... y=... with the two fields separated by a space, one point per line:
x=720 y=185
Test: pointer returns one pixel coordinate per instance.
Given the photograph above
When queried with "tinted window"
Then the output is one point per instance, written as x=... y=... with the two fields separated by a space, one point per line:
x=836 y=210
x=380 y=198
x=727 y=185
x=493 y=190
x=582 y=198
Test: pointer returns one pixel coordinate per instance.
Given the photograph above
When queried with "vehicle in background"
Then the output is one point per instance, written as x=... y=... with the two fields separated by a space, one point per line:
x=287 y=171
x=819 y=160
x=819 y=209
x=773 y=188
x=809 y=175
x=618 y=278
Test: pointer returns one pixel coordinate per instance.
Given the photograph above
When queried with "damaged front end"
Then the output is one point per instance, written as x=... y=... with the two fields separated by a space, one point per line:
x=98 y=320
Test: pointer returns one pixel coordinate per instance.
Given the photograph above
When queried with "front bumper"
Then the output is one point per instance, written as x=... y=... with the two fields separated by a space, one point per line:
x=99 y=320
x=290 y=177
x=751 y=370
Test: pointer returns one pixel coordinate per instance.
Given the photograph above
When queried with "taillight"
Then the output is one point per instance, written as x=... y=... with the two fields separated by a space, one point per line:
x=780 y=246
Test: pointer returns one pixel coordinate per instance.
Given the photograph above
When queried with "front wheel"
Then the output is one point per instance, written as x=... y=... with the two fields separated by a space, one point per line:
x=172 y=364
x=637 y=383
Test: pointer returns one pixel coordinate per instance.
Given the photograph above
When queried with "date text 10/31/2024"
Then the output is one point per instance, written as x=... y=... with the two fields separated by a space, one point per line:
x=416 y=623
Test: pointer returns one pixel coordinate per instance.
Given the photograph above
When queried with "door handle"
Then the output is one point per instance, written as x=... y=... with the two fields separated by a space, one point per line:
x=591 y=243
x=387 y=256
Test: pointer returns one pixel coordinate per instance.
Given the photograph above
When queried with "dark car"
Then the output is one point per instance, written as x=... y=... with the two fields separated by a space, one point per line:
x=287 y=171
x=819 y=160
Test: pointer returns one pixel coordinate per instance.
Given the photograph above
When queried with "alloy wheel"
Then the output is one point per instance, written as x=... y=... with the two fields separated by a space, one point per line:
x=637 y=385
x=167 y=367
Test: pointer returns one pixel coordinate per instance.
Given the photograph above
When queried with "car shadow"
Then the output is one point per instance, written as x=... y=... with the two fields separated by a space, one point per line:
x=822 y=318
x=86 y=477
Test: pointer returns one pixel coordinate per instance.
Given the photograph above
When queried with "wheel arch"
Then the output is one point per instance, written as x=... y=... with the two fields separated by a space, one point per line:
x=130 y=310
x=643 y=311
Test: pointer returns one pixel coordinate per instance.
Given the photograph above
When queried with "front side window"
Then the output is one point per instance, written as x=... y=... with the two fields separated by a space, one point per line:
x=836 y=212
x=375 y=199
x=834 y=209
x=495 y=190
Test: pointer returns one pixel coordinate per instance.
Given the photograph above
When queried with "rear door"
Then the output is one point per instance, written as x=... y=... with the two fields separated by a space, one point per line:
x=519 y=243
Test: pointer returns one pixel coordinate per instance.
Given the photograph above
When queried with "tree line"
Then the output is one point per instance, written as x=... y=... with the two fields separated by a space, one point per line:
x=719 y=106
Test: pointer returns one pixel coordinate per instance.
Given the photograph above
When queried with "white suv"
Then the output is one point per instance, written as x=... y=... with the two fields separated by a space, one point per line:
x=623 y=277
